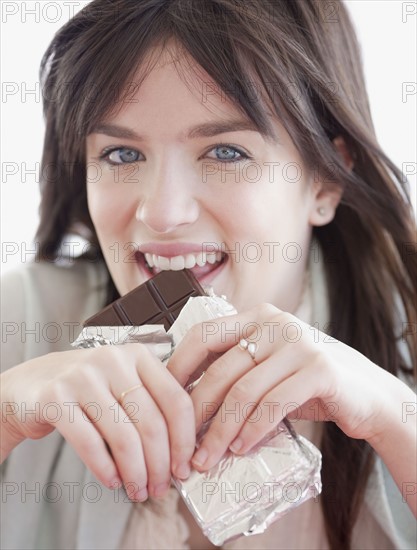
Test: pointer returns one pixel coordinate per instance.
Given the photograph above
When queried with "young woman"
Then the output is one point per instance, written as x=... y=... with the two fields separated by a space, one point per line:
x=175 y=130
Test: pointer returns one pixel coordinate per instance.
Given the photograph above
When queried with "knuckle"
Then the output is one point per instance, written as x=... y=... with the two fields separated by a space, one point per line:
x=140 y=349
x=216 y=370
x=154 y=429
x=182 y=402
x=240 y=392
x=55 y=391
x=320 y=363
x=180 y=448
x=87 y=446
x=102 y=354
x=109 y=357
x=123 y=444
x=119 y=361
x=88 y=374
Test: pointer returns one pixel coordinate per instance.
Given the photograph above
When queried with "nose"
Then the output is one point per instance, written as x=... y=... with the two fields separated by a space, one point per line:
x=167 y=202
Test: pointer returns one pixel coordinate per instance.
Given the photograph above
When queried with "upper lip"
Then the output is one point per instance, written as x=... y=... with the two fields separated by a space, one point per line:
x=169 y=250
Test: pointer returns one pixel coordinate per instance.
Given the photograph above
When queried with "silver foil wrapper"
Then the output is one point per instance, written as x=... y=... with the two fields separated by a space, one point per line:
x=154 y=336
x=241 y=495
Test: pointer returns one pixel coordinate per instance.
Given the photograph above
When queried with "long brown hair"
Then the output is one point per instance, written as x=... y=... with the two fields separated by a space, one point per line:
x=307 y=63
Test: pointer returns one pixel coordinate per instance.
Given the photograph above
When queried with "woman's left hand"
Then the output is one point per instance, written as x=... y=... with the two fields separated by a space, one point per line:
x=298 y=372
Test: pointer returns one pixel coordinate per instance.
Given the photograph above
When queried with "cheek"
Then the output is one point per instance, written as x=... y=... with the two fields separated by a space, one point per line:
x=267 y=206
x=111 y=207
x=271 y=216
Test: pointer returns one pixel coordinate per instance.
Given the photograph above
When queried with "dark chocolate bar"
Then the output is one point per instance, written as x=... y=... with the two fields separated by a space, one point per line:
x=158 y=301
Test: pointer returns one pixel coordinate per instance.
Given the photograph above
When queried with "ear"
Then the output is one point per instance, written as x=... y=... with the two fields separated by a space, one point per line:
x=327 y=195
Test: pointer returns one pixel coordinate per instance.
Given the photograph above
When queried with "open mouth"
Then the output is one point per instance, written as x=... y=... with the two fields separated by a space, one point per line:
x=204 y=266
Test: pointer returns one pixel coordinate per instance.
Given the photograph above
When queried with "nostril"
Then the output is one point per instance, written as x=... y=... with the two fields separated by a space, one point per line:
x=164 y=212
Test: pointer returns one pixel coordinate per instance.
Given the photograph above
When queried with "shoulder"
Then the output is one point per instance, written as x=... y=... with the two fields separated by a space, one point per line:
x=52 y=286
x=43 y=306
x=71 y=273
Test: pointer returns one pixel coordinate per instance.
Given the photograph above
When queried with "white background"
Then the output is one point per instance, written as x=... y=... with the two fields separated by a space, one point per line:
x=387 y=33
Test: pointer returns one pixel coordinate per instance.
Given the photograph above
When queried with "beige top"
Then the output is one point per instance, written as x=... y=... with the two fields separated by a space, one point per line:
x=43 y=298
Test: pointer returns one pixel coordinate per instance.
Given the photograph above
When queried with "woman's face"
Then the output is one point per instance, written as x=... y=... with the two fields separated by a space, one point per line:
x=188 y=175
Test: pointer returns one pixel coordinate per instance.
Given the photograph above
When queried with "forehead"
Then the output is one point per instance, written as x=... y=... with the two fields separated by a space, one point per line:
x=170 y=80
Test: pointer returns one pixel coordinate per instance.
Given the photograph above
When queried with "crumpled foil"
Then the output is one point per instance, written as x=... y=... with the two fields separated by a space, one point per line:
x=154 y=336
x=241 y=495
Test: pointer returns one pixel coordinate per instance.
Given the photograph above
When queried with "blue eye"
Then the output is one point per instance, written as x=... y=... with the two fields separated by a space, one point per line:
x=227 y=153
x=125 y=155
x=120 y=155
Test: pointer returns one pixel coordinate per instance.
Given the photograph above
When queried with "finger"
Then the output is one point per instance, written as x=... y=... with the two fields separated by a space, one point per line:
x=244 y=402
x=151 y=425
x=315 y=410
x=90 y=447
x=217 y=381
x=258 y=375
x=219 y=335
x=177 y=409
x=123 y=439
x=297 y=390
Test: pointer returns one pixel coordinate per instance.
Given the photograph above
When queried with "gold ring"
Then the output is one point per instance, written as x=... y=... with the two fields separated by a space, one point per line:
x=123 y=394
x=250 y=347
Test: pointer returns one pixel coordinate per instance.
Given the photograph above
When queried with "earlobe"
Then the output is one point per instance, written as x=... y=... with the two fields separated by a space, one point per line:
x=325 y=205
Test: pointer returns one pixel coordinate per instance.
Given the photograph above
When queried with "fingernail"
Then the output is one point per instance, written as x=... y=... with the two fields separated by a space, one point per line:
x=200 y=457
x=183 y=470
x=141 y=495
x=116 y=483
x=160 y=490
x=236 y=445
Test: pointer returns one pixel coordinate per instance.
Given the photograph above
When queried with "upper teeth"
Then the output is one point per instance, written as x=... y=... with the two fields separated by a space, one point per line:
x=180 y=262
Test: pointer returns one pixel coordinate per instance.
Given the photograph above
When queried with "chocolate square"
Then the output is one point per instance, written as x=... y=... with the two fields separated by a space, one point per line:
x=157 y=301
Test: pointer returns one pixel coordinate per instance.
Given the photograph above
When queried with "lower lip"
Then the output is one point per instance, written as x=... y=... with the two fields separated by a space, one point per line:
x=204 y=280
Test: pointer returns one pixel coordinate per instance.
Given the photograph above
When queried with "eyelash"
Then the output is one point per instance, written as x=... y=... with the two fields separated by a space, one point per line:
x=109 y=150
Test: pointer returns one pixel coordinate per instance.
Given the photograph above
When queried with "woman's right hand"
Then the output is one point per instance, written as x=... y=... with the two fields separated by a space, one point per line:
x=138 y=444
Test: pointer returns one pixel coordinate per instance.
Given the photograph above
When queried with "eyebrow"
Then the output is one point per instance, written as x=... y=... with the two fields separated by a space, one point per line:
x=208 y=129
